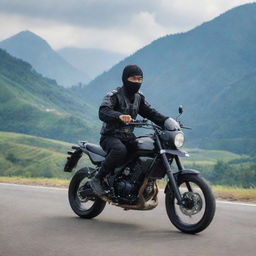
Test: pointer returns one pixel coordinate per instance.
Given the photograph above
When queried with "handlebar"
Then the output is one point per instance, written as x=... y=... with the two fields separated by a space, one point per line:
x=144 y=122
x=138 y=122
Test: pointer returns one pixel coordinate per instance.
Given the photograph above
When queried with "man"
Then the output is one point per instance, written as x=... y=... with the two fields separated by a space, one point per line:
x=119 y=108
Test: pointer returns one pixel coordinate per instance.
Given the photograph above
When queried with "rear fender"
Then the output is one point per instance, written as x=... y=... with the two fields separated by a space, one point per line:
x=73 y=159
x=88 y=171
x=179 y=174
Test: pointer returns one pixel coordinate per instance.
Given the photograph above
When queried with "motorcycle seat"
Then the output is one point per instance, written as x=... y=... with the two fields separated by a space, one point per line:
x=97 y=149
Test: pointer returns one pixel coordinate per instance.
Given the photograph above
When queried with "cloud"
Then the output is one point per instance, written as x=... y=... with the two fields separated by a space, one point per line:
x=182 y=15
x=117 y=25
x=90 y=13
x=60 y=35
x=144 y=23
x=109 y=13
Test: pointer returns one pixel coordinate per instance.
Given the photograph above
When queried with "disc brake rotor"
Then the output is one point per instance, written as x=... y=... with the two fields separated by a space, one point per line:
x=80 y=197
x=193 y=203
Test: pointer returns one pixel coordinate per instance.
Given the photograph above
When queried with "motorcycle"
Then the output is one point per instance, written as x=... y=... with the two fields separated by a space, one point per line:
x=189 y=201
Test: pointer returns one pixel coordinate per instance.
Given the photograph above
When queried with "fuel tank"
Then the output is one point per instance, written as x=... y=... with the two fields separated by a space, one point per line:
x=145 y=144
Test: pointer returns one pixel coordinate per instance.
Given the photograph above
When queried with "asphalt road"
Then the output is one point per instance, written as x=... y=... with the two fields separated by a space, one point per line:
x=37 y=221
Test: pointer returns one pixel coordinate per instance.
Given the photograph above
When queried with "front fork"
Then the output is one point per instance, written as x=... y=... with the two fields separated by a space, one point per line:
x=172 y=179
x=170 y=173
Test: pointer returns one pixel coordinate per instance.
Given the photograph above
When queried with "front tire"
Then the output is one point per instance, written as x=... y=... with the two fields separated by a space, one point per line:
x=200 y=206
x=84 y=207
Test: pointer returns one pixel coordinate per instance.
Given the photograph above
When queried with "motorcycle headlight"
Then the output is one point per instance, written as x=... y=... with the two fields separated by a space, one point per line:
x=179 y=140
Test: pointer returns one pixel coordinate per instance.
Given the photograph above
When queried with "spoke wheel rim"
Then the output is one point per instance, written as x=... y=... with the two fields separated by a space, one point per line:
x=195 y=204
x=83 y=203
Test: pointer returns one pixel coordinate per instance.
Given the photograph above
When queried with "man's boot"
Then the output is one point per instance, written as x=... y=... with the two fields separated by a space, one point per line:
x=95 y=183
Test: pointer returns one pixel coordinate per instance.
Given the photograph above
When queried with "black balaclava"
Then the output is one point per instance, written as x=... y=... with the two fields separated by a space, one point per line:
x=130 y=87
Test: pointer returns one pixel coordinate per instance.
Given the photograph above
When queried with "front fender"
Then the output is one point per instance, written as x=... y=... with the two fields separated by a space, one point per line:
x=181 y=173
x=188 y=171
x=174 y=152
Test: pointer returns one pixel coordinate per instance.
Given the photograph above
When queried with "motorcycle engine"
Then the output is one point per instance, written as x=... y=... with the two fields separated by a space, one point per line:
x=131 y=178
x=125 y=187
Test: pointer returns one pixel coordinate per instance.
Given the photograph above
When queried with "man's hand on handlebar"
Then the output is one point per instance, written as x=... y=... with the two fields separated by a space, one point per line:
x=126 y=118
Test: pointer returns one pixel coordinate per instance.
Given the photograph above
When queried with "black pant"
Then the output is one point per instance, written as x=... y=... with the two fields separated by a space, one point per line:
x=117 y=152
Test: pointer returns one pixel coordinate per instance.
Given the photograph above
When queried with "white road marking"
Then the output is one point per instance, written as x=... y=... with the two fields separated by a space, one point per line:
x=32 y=186
x=65 y=189
x=235 y=203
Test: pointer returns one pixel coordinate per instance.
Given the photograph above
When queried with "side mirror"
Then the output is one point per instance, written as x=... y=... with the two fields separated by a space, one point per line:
x=180 y=109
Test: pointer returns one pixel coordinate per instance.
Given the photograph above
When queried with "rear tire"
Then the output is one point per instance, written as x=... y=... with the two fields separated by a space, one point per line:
x=97 y=205
x=206 y=205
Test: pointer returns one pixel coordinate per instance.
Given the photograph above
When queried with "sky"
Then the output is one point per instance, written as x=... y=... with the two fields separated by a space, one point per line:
x=122 y=26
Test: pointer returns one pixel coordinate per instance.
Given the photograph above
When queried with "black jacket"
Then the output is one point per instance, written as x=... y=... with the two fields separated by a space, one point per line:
x=115 y=104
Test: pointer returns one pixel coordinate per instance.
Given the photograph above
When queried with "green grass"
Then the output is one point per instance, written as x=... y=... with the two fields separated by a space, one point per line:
x=38 y=181
x=22 y=139
x=202 y=156
x=29 y=156
x=220 y=192
x=33 y=160
x=235 y=193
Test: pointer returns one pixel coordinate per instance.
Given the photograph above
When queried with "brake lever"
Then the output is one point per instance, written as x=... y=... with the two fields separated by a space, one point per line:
x=186 y=127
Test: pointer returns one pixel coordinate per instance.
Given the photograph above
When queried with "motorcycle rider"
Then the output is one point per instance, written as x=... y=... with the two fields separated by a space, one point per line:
x=119 y=108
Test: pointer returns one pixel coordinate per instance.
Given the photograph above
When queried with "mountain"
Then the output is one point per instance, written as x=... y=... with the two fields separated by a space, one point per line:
x=35 y=50
x=90 y=61
x=211 y=70
x=33 y=104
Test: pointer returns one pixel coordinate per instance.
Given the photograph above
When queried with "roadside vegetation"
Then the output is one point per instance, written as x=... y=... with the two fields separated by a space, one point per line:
x=37 y=181
x=34 y=160
x=220 y=192
x=29 y=156
x=235 y=193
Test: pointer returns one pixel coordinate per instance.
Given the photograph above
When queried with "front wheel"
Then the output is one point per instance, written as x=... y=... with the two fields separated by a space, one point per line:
x=199 y=204
x=81 y=198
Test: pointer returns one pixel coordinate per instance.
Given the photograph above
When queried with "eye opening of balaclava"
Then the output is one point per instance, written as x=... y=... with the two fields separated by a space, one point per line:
x=131 y=87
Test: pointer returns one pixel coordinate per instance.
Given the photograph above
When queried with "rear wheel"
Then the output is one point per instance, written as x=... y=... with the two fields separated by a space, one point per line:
x=199 y=208
x=81 y=198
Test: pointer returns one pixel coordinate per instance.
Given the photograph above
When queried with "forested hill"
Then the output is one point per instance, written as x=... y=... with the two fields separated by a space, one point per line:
x=33 y=104
x=35 y=50
x=211 y=70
